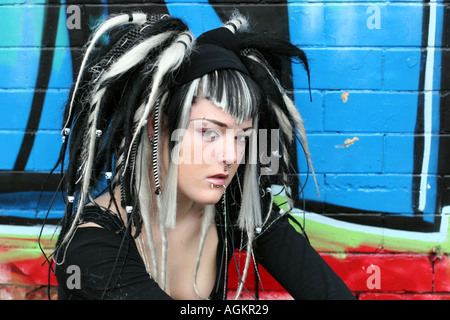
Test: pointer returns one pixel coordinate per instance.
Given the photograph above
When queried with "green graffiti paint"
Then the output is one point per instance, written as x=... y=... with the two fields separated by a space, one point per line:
x=331 y=235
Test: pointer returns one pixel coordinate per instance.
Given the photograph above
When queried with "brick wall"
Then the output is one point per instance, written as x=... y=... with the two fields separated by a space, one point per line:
x=378 y=128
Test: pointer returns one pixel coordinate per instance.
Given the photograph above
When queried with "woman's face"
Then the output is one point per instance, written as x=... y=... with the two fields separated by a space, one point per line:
x=212 y=147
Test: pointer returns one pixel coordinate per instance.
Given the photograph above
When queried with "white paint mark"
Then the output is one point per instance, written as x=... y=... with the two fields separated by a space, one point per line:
x=428 y=107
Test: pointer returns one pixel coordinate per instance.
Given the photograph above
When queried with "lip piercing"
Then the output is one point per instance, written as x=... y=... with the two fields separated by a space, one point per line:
x=212 y=186
x=227 y=167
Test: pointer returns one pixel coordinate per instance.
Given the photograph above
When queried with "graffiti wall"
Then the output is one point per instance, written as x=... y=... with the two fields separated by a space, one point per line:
x=378 y=127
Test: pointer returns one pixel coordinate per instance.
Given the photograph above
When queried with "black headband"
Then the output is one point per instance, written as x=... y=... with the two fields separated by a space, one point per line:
x=216 y=49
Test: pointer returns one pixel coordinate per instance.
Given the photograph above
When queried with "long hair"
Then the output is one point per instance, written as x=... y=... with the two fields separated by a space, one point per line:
x=132 y=77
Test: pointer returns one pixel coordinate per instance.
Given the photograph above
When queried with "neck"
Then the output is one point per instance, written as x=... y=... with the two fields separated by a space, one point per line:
x=186 y=208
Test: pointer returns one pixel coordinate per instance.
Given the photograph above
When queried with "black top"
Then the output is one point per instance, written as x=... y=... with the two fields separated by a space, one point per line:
x=111 y=266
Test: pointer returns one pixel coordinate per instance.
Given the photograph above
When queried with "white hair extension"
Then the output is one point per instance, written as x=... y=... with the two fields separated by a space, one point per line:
x=250 y=235
x=122 y=65
x=169 y=195
x=135 y=55
x=295 y=114
x=249 y=215
x=169 y=60
x=206 y=225
x=237 y=22
x=145 y=201
x=284 y=121
x=282 y=118
x=299 y=125
x=167 y=217
x=164 y=245
x=137 y=18
x=302 y=133
x=250 y=212
x=88 y=153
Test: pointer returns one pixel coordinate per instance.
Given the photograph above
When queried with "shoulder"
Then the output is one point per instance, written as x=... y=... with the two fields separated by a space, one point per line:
x=95 y=216
x=100 y=235
x=94 y=252
x=90 y=244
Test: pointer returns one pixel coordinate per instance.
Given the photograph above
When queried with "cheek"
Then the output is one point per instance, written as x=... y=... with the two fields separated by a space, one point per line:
x=186 y=149
x=240 y=152
x=193 y=150
x=187 y=172
x=191 y=177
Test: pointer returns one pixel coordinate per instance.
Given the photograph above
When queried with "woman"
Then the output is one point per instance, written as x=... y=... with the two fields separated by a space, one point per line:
x=172 y=123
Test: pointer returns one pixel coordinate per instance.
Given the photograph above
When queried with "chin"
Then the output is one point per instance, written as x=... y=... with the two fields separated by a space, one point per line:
x=212 y=200
x=210 y=197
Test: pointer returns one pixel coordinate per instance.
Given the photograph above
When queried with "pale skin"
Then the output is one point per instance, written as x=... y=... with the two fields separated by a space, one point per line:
x=211 y=150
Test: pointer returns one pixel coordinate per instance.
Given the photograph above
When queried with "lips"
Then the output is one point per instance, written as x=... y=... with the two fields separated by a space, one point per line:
x=218 y=179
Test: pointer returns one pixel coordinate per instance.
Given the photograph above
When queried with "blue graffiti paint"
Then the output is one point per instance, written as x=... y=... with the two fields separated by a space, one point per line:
x=381 y=70
x=199 y=16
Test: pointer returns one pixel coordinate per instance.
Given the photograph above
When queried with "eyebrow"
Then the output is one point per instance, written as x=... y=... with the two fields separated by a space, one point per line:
x=220 y=124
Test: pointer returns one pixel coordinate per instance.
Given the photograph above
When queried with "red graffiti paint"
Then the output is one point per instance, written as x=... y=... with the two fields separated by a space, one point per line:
x=26 y=272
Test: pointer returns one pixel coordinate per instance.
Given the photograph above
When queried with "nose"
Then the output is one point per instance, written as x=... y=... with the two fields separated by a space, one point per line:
x=230 y=150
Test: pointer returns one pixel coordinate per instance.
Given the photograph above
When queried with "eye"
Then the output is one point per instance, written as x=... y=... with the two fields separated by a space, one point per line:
x=241 y=138
x=210 y=135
